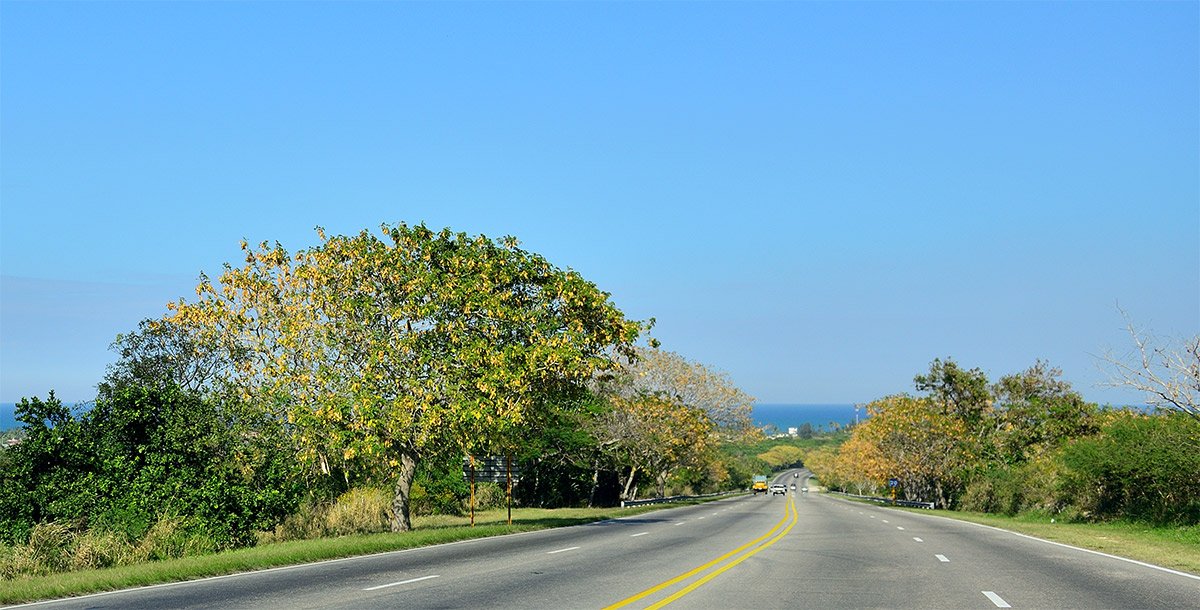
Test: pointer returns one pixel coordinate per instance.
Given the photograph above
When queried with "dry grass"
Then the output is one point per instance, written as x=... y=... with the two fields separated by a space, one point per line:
x=430 y=530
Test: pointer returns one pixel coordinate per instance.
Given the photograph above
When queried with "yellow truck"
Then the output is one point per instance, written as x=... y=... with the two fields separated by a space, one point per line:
x=760 y=485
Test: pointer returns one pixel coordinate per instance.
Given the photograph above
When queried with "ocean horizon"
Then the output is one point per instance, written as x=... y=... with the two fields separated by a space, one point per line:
x=793 y=415
x=780 y=415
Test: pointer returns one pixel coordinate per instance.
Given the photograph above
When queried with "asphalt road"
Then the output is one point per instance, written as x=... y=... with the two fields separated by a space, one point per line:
x=795 y=551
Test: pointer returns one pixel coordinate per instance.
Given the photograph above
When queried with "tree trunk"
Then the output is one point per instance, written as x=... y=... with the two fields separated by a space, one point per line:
x=595 y=484
x=629 y=482
x=400 y=501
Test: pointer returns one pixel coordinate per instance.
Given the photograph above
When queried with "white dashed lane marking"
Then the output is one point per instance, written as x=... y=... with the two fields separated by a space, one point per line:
x=403 y=582
x=570 y=548
x=996 y=599
x=942 y=558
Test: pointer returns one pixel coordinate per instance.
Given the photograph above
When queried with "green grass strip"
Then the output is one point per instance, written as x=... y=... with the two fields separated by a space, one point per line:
x=427 y=531
x=1177 y=548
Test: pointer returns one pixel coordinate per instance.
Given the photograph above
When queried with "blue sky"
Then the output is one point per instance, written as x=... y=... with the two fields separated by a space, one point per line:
x=817 y=198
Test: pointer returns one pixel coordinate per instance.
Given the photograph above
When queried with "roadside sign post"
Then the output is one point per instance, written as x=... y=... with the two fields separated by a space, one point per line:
x=893 y=483
x=491 y=469
x=472 y=458
x=508 y=494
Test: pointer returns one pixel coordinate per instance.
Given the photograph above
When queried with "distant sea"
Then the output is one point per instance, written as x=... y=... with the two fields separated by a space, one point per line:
x=8 y=419
x=782 y=416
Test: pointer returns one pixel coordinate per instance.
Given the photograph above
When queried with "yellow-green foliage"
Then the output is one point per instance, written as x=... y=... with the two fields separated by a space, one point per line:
x=782 y=456
x=366 y=334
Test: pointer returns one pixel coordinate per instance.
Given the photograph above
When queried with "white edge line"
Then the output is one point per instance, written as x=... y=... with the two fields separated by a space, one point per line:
x=996 y=599
x=403 y=582
x=1102 y=554
x=1067 y=546
x=570 y=548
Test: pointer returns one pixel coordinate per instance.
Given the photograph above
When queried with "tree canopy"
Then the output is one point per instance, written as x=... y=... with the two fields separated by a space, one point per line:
x=381 y=350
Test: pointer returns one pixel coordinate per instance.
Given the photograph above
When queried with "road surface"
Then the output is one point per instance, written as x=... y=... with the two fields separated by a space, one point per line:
x=802 y=550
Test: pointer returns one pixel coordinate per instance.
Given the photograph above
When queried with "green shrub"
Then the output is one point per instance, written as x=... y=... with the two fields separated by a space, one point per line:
x=488 y=496
x=430 y=499
x=1139 y=467
x=142 y=450
x=1008 y=490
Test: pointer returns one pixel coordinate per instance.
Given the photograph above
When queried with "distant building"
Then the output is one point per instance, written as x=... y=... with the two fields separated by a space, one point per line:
x=793 y=431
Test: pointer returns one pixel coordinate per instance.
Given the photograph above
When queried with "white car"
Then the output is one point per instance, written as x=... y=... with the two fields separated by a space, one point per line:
x=778 y=489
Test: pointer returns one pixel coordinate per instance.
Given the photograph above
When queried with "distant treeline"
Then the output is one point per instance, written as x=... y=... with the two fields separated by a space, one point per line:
x=1028 y=443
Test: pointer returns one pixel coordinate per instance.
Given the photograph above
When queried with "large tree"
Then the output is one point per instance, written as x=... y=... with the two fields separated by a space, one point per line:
x=915 y=441
x=958 y=392
x=381 y=351
x=1037 y=411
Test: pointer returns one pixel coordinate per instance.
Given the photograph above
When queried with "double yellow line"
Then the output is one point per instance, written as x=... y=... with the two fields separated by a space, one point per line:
x=737 y=554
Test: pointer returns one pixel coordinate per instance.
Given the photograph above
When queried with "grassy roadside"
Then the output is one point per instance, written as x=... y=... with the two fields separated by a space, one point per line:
x=427 y=531
x=1177 y=548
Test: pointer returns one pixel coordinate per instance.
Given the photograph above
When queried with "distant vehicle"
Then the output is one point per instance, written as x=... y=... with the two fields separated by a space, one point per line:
x=804 y=489
x=778 y=489
x=760 y=485
x=795 y=475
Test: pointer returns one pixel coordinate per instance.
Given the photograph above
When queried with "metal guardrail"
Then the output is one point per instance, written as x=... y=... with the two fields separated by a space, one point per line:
x=928 y=505
x=670 y=499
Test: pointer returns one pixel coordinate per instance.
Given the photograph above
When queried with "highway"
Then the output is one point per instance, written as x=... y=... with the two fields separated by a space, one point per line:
x=795 y=551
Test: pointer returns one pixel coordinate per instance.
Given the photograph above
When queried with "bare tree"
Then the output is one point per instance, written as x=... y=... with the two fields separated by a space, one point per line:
x=1167 y=371
x=672 y=377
